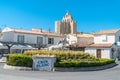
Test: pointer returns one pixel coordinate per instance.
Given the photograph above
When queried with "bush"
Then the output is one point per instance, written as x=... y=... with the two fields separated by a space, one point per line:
x=19 y=60
x=72 y=58
x=64 y=59
x=75 y=63
x=62 y=55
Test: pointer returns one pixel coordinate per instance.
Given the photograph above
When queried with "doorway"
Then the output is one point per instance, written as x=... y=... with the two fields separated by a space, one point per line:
x=98 y=53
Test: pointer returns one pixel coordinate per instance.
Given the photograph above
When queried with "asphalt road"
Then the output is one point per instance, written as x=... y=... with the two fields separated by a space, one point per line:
x=108 y=74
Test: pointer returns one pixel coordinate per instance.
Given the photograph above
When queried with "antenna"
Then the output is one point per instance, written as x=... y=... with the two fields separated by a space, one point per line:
x=41 y=29
x=49 y=29
x=0 y=30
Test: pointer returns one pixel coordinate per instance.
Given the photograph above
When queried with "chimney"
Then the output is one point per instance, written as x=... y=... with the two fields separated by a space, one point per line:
x=41 y=29
x=34 y=29
x=49 y=30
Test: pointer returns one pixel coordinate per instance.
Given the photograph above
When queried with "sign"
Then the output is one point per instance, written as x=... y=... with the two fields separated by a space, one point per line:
x=43 y=63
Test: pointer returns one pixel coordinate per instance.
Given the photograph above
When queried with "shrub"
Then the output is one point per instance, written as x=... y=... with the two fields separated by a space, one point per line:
x=62 y=55
x=72 y=58
x=64 y=59
x=75 y=63
x=19 y=60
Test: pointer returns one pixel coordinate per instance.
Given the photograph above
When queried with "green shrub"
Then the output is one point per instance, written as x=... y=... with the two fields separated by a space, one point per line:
x=64 y=58
x=62 y=55
x=19 y=60
x=72 y=58
x=75 y=63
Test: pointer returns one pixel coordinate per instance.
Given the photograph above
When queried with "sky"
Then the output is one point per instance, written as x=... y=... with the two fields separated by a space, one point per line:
x=91 y=15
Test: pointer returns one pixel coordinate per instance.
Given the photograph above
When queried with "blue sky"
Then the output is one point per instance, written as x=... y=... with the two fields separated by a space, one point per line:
x=91 y=15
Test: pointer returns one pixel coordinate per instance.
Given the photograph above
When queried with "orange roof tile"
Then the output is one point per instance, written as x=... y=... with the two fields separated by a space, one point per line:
x=84 y=35
x=43 y=32
x=107 y=32
x=100 y=45
x=82 y=44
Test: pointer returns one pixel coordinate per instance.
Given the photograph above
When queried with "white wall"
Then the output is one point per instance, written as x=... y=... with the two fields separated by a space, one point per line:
x=7 y=29
x=7 y=36
x=28 y=38
x=91 y=51
x=105 y=52
x=98 y=39
x=11 y=36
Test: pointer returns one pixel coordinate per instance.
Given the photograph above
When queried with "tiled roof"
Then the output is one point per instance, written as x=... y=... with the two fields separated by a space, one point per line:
x=83 y=43
x=43 y=32
x=107 y=32
x=100 y=45
x=84 y=35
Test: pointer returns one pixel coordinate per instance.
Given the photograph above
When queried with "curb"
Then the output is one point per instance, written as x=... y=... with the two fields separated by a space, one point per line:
x=1 y=61
x=97 y=68
x=16 y=67
x=71 y=69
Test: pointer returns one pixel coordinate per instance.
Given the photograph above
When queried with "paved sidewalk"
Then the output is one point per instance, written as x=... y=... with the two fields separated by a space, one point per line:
x=3 y=60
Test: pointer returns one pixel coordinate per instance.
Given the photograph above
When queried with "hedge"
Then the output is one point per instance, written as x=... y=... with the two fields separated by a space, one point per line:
x=63 y=55
x=64 y=59
x=19 y=60
x=75 y=63
x=72 y=58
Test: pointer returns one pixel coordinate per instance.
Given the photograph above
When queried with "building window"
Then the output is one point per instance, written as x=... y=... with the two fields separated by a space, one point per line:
x=20 y=39
x=39 y=40
x=119 y=38
x=104 y=38
x=50 y=40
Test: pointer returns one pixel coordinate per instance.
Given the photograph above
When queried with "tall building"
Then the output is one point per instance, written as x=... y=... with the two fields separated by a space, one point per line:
x=66 y=26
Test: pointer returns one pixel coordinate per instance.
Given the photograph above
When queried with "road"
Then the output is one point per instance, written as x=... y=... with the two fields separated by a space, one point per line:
x=108 y=74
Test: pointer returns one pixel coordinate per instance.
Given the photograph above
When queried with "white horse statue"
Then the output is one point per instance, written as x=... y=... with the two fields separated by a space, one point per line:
x=59 y=46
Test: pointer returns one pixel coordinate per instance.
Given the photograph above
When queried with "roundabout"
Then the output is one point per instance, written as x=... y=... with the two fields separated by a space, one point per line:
x=60 y=69
x=107 y=74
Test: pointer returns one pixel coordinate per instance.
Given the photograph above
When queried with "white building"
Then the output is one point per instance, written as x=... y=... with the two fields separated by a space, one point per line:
x=105 y=44
x=79 y=41
x=34 y=37
x=79 y=37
